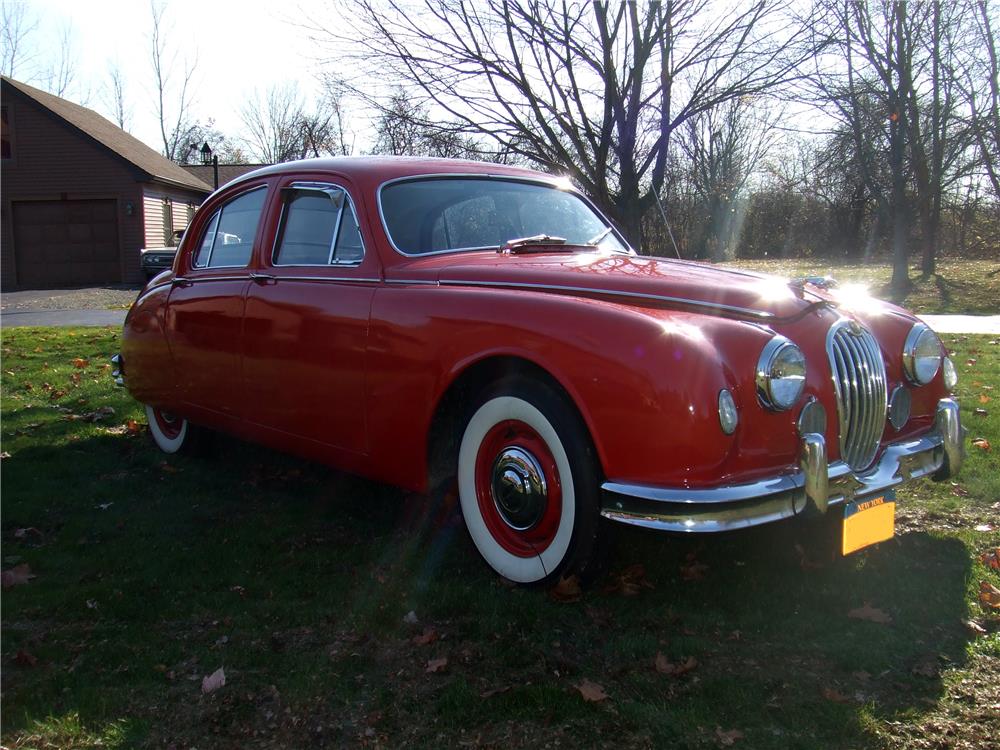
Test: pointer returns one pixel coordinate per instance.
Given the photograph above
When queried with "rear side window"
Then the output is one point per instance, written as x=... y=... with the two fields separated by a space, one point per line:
x=228 y=241
x=318 y=228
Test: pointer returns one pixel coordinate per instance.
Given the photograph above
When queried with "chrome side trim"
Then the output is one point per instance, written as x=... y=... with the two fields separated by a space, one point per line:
x=552 y=182
x=426 y=282
x=612 y=293
x=204 y=279
x=785 y=495
x=324 y=279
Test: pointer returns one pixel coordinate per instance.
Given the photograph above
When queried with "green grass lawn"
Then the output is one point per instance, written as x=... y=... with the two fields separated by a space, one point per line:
x=960 y=286
x=153 y=572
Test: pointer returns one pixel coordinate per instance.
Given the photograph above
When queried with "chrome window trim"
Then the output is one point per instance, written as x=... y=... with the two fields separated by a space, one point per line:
x=218 y=211
x=550 y=182
x=321 y=187
x=610 y=292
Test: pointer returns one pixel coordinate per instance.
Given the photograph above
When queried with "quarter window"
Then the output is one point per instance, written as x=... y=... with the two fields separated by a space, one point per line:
x=228 y=241
x=318 y=228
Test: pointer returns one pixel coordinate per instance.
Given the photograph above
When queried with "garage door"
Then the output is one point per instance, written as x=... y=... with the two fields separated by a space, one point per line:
x=66 y=243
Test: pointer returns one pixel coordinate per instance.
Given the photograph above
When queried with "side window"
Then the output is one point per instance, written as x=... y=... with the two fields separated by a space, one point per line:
x=228 y=241
x=318 y=228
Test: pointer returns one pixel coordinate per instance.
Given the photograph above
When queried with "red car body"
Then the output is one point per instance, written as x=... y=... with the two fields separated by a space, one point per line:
x=373 y=366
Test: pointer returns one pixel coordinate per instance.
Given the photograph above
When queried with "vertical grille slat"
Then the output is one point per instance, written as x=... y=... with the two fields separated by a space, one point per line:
x=860 y=383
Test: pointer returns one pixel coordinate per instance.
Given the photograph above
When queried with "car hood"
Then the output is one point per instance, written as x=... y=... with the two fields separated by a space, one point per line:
x=644 y=280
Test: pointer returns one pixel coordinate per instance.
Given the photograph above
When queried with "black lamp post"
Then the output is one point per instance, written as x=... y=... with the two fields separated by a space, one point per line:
x=207 y=157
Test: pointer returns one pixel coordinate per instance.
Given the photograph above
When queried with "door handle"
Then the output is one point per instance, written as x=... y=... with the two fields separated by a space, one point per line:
x=263 y=278
x=180 y=281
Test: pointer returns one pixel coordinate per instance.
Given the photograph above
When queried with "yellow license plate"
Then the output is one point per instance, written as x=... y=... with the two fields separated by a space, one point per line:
x=868 y=521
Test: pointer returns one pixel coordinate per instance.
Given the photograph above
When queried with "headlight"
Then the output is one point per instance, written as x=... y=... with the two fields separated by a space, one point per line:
x=781 y=374
x=921 y=354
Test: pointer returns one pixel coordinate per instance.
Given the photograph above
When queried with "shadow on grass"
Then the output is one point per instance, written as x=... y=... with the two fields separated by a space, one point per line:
x=297 y=579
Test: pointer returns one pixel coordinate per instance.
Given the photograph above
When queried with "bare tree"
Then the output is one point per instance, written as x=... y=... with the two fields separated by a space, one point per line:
x=114 y=98
x=591 y=89
x=174 y=88
x=980 y=83
x=273 y=121
x=16 y=27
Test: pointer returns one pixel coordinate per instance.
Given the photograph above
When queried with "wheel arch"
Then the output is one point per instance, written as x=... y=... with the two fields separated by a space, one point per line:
x=466 y=383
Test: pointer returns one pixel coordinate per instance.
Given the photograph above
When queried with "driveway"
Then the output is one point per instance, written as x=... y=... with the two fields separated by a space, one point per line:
x=93 y=306
x=988 y=324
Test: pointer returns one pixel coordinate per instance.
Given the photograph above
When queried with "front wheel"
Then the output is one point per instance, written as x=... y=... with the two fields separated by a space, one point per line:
x=528 y=483
x=172 y=433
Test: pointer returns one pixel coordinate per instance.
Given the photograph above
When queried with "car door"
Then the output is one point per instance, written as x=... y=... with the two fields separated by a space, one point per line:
x=305 y=329
x=204 y=315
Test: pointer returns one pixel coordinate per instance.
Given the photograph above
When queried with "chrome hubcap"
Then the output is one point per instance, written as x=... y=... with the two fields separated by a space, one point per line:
x=518 y=487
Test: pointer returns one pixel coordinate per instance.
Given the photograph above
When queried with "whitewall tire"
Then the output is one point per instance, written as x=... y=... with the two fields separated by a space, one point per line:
x=527 y=484
x=170 y=432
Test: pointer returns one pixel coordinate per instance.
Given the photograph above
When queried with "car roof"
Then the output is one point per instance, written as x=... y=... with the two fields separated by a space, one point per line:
x=374 y=170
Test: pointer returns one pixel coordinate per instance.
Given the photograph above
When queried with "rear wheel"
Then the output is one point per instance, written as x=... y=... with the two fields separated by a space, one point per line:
x=528 y=483
x=172 y=433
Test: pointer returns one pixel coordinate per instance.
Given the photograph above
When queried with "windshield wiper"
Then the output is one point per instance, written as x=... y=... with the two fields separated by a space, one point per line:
x=601 y=236
x=531 y=244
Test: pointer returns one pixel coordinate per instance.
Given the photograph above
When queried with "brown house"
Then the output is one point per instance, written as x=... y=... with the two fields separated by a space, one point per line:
x=79 y=196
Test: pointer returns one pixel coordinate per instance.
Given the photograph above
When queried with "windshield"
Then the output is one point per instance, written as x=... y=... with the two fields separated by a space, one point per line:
x=432 y=215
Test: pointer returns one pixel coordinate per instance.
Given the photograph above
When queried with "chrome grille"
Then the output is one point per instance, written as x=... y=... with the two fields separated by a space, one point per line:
x=859 y=379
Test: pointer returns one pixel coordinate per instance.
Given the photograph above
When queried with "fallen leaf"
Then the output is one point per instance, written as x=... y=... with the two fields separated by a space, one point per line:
x=629 y=582
x=728 y=738
x=989 y=595
x=566 y=590
x=23 y=533
x=871 y=614
x=214 y=681
x=981 y=413
x=974 y=627
x=16 y=576
x=991 y=559
x=428 y=636
x=692 y=570
x=983 y=444
x=24 y=659
x=834 y=695
x=437 y=665
x=983 y=398
x=984 y=527
x=79 y=363
x=663 y=666
x=591 y=691
x=133 y=427
x=164 y=466
x=4 y=454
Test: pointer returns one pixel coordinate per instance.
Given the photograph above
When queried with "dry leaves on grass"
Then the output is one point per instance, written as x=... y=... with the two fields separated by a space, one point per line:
x=989 y=595
x=79 y=363
x=435 y=666
x=214 y=681
x=428 y=636
x=591 y=691
x=663 y=666
x=24 y=659
x=566 y=590
x=728 y=738
x=983 y=398
x=835 y=696
x=692 y=570
x=991 y=559
x=16 y=576
x=871 y=614
x=629 y=582
x=983 y=444
x=91 y=416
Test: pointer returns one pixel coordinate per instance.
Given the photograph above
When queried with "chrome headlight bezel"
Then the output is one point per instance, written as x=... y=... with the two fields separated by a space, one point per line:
x=777 y=391
x=917 y=360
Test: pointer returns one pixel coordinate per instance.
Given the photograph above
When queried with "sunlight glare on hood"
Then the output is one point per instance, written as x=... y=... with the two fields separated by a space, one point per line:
x=773 y=290
x=857 y=298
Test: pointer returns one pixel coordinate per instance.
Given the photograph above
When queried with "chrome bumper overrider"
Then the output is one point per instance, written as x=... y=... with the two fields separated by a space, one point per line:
x=815 y=487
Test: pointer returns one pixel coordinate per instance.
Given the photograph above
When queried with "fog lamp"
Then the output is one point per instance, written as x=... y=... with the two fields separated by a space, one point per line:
x=728 y=416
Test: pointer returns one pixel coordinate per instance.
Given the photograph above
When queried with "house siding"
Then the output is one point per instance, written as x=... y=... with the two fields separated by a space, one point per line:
x=153 y=198
x=52 y=161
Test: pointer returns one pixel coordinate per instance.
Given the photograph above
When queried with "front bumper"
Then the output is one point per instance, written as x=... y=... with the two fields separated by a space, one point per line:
x=815 y=487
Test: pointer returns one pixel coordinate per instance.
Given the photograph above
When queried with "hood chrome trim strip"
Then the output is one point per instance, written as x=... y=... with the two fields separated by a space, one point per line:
x=613 y=293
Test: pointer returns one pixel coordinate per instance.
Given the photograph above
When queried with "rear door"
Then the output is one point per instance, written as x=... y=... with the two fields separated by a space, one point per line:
x=305 y=328
x=205 y=310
